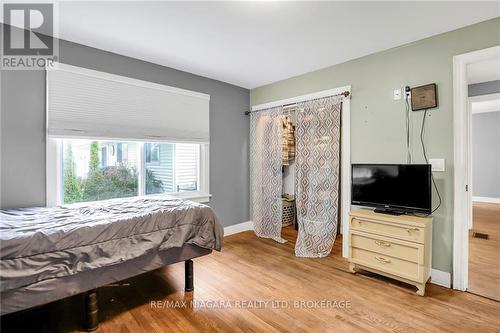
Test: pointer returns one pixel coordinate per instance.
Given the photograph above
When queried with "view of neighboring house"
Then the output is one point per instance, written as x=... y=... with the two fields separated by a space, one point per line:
x=174 y=164
x=113 y=153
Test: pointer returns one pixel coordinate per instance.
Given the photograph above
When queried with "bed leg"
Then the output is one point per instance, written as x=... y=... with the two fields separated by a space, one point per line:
x=91 y=311
x=188 y=275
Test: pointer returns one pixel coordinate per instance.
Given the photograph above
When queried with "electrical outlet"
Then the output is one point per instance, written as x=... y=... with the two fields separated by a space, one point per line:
x=397 y=94
x=437 y=164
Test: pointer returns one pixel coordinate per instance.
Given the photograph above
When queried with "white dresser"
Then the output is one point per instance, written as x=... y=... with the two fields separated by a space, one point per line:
x=399 y=247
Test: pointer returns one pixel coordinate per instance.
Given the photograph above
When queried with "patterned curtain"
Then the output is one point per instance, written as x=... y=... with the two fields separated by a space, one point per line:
x=266 y=130
x=317 y=175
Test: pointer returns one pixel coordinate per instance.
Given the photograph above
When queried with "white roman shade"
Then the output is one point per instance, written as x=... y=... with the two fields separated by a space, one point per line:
x=88 y=103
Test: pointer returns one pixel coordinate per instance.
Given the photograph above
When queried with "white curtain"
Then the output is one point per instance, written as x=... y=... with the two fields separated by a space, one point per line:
x=317 y=175
x=266 y=131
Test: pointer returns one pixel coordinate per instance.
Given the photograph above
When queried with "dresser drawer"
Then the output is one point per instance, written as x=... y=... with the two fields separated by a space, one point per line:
x=398 y=267
x=400 y=231
x=388 y=246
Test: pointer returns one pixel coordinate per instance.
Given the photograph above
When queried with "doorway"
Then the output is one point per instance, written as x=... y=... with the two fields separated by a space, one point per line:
x=477 y=172
x=484 y=232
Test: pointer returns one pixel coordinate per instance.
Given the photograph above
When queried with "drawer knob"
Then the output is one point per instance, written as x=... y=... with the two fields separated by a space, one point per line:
x=383 y=260
x=412 y=229
x=382 y=244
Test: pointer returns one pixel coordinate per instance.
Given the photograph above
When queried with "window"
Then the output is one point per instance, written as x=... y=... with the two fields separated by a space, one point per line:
x=186 y=165
x=97 y=169
x=152 y=152
x=173 y=167
x=92 y=171
x=112 y=136
x=121 y=152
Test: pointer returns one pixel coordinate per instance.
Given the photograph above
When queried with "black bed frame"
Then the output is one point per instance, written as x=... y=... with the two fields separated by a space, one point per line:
x=91 y=304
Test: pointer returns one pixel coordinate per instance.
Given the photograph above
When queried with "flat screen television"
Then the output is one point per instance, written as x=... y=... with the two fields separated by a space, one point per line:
x=392 y=188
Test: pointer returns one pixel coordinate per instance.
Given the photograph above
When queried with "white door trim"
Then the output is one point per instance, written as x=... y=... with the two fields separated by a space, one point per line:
x=345 y=173
x=462 y=201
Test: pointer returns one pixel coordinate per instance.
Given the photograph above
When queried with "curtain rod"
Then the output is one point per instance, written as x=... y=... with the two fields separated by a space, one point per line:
x=344 y=93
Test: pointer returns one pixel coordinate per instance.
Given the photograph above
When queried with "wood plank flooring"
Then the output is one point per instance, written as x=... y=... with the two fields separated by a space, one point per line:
x=252 y=269
x=484 y=254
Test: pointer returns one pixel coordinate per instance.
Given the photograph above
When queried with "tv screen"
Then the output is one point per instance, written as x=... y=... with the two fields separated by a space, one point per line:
x=392 y=187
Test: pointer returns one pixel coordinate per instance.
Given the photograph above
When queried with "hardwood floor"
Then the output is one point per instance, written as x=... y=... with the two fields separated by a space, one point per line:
x=484 y=262
x=252 y=269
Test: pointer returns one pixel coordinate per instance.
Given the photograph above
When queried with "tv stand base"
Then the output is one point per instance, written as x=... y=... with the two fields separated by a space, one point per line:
x=388 y=211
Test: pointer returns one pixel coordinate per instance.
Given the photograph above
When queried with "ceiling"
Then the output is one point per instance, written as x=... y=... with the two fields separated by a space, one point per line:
x=483 y=71
x=250 y=44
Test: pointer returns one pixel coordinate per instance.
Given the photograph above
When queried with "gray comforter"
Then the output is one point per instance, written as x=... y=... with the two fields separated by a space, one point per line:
x=42 y=243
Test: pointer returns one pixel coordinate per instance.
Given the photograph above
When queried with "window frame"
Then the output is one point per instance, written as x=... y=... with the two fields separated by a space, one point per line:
x=156 y=161
x=54 y=171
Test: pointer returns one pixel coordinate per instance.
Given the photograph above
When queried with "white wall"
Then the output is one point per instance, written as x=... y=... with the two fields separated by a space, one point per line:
x=289 y=179
x=289 y=171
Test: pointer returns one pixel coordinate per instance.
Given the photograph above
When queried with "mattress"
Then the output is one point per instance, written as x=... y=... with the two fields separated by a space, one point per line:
x=38 y=244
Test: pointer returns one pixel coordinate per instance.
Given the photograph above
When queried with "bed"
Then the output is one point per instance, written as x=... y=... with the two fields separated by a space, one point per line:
x=47 y=254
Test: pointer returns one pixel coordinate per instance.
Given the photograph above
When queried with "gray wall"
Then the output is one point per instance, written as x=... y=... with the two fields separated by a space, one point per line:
x=486 y=154
x=484 y=88
x=23 y=129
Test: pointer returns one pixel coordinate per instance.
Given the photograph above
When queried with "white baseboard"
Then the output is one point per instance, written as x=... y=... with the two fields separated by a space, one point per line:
x=441 y=278
x=486 y=199
x=237 y=228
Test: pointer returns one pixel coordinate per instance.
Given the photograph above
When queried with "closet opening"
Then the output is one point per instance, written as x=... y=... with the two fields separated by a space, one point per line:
x=300 y=172
x=289 y=216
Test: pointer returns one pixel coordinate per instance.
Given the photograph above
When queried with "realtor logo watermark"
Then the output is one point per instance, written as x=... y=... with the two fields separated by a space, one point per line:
x=253 y=304
x=27 y=42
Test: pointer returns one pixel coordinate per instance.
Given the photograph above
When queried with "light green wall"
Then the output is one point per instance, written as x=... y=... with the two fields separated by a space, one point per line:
x=378 y=122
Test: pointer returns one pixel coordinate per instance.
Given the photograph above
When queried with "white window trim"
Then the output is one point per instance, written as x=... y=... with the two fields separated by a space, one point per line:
x=54 y=174
x=141 y=166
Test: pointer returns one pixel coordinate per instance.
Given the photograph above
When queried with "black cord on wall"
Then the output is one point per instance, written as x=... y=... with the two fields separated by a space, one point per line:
x=408 y=151
x=427 y=161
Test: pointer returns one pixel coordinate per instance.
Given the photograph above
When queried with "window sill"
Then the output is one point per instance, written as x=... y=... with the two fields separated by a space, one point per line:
x=193 y=196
